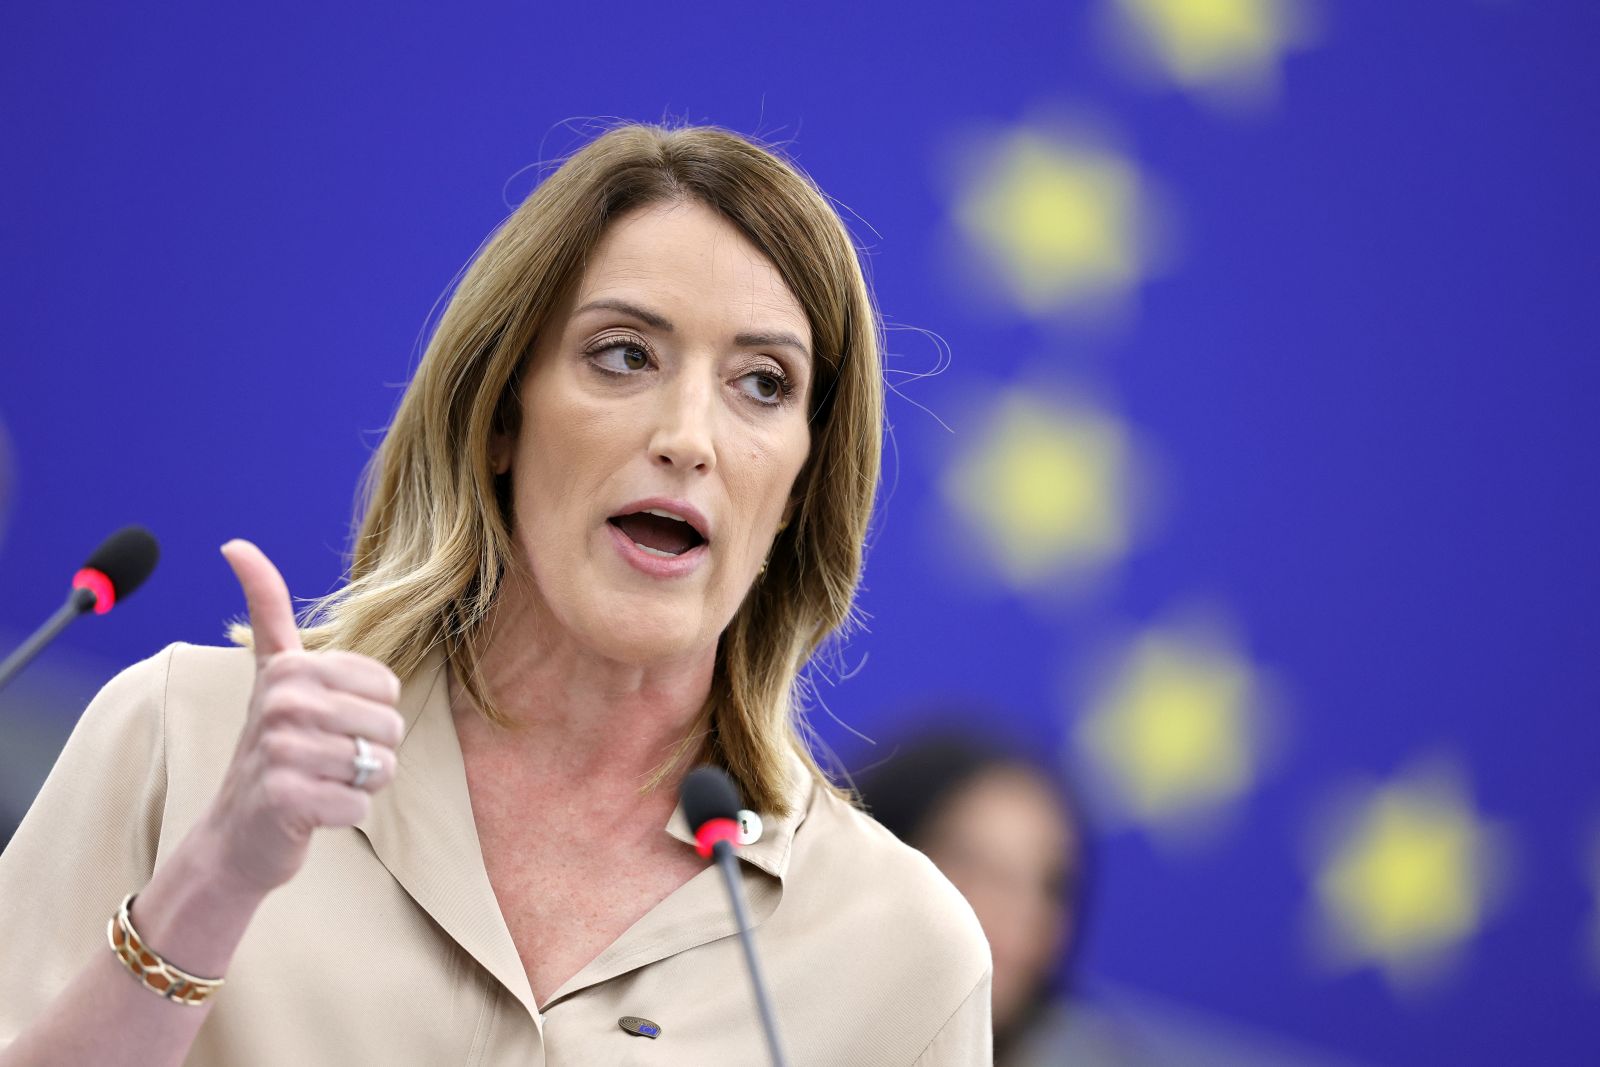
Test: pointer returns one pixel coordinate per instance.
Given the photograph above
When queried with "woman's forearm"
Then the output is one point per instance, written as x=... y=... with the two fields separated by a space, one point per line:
x=105 y=1015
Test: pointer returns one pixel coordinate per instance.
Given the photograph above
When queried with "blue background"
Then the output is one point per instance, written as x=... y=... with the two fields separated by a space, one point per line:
x=1370 y=373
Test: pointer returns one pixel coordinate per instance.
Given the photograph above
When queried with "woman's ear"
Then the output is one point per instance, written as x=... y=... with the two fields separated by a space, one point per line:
x=500 y=453
x=506 y=426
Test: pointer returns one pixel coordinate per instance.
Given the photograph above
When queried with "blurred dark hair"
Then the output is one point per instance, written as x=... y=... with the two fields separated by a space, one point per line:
x=908 y=786
x=904 y=790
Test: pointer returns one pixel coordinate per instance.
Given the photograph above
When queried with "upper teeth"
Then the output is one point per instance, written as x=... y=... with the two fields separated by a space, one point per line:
x=664 y=514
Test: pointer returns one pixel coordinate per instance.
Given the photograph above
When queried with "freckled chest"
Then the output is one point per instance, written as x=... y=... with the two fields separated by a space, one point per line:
x=570 y=874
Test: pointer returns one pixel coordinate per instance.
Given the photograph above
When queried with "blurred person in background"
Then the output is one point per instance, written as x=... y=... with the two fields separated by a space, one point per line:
x=1007 y=834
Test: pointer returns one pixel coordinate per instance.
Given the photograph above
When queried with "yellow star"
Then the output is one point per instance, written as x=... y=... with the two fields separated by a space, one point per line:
x=1409 y=876
x=1174 y=736
x=1044 y=487
x=1059 y=221
x=1226 y=51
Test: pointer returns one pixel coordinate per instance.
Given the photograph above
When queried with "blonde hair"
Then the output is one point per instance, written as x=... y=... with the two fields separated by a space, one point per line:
x=433 y=539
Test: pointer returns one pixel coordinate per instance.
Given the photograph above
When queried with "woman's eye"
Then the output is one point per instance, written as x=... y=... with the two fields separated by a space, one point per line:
x=766 y=386
x=620 y=357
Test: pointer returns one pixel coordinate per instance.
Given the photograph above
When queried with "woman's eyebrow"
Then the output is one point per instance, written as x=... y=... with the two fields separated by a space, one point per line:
x=655 y=321
x=769 y=340
x=649 y=318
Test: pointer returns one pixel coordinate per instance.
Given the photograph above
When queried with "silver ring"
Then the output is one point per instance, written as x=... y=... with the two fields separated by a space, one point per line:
x=364 y=762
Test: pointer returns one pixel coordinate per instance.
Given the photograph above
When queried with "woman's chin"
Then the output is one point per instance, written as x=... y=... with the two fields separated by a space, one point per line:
x=646 y=634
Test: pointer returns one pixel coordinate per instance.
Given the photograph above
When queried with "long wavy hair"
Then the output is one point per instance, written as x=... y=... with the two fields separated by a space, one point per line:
x=433 y=536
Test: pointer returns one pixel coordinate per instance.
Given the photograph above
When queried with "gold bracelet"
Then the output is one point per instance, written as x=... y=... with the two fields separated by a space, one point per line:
x=153 y=972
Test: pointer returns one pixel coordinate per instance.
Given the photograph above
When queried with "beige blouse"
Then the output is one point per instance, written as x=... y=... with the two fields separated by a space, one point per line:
x=389 y=946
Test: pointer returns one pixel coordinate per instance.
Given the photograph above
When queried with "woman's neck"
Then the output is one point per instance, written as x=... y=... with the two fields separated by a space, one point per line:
x=574 y=714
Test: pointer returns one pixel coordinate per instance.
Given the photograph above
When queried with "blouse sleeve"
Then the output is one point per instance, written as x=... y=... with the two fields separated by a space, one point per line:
x=89 y=839
x=966 y=1037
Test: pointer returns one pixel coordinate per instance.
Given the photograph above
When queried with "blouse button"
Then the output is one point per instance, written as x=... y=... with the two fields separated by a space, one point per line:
x=749 y=827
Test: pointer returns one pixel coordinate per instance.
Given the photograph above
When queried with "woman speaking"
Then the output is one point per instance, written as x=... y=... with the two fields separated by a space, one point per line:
x=435 y=821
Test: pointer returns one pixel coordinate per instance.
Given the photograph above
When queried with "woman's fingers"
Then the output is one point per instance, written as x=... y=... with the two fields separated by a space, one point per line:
x=307 y=705
x=337 y=805
x=360 y=675
x=267 y=597
x=296 y=766
x=279 y=654
x=320 y=756
x=309 y=803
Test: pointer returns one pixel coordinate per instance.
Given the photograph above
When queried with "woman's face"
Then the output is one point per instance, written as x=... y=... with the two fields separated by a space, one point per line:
x=663 y=426
x=1002 y=841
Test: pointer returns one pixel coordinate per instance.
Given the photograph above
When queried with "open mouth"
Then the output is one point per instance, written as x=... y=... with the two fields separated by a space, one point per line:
x=658 y=533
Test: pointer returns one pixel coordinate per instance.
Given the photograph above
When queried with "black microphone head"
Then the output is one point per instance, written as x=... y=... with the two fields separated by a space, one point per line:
x=707 y=793
x=126 y=557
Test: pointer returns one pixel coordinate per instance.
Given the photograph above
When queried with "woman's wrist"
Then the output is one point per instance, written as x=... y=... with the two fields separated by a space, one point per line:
x=192 y=913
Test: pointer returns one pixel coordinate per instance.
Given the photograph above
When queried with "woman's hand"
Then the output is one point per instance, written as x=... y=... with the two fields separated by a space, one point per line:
x=291 y=773
x=295 y=763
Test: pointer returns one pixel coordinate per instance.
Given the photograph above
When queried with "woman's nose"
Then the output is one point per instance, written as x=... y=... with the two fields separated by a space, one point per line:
x=684 y=430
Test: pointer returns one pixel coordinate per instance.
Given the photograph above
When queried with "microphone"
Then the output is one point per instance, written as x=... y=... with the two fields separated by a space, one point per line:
x=711 y=805
x=118 y=567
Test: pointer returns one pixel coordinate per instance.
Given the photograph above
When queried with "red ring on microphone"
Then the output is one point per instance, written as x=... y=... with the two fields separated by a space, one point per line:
x=105 y=595
x=713 y=831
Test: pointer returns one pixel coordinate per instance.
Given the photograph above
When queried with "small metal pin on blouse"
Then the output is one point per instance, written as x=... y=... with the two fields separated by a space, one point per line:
x=642 y=1027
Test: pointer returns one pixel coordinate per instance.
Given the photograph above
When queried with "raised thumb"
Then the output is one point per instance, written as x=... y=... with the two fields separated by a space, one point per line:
x=267 y=596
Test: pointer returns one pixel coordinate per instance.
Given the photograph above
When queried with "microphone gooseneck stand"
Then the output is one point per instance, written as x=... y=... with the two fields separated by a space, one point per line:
x=722 y=851
x=80 y=601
